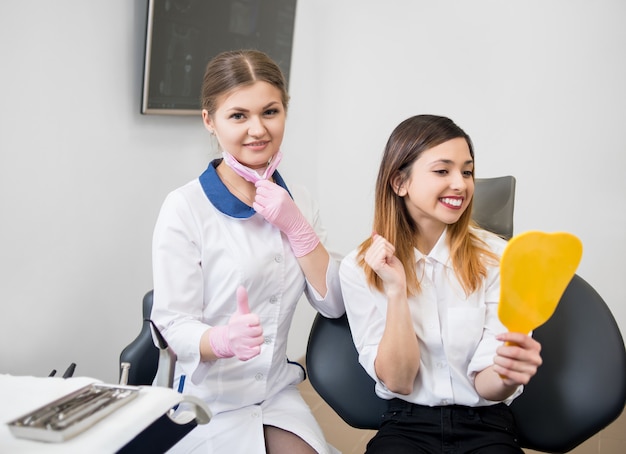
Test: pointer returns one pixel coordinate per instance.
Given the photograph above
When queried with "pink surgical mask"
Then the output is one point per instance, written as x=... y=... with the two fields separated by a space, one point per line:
x=249 y=174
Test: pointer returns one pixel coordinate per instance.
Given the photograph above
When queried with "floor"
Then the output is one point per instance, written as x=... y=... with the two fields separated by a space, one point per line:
x=349 y=440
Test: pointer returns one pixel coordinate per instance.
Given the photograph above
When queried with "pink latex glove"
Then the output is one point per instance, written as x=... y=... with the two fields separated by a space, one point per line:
x=243 y=335
x=276 y=205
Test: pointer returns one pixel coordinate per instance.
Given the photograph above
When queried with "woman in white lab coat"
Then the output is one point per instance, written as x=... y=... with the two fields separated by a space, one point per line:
x=233 y=252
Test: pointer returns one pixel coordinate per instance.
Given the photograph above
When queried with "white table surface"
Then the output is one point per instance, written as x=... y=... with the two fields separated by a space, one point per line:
x=20 y=395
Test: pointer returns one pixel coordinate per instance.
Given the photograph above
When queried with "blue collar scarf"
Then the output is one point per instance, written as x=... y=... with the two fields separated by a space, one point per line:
x=219 y=195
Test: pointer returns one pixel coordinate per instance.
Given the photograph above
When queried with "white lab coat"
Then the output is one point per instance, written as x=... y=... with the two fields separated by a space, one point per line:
x=206 y=243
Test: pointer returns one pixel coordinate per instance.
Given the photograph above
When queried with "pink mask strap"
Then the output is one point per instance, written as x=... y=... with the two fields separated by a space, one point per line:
x=249 y=174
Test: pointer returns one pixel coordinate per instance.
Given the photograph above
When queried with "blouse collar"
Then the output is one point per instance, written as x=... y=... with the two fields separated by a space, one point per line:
x=440 y=252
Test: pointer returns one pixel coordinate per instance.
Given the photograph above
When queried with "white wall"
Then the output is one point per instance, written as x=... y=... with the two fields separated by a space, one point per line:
x=538 y=85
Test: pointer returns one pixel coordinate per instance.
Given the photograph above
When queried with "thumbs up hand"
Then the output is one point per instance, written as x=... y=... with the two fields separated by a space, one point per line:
x=243 y=335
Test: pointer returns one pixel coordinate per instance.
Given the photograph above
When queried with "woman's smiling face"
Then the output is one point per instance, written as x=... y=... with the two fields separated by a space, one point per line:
x=441 y=184
x=249 y=123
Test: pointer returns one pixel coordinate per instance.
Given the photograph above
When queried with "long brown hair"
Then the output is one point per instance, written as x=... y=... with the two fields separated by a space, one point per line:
x=232 y=69
x=391 y=217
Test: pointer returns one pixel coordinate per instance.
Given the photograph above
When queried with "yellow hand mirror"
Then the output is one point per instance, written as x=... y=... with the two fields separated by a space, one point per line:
x=535 y=269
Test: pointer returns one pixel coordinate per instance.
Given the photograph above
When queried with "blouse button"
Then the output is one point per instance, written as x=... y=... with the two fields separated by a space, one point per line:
x=268 y=340
x=258 y=377
x=278 y=258
x=273 y=299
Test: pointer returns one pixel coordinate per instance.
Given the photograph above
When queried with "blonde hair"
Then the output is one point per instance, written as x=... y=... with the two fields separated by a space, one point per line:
x=392 y=220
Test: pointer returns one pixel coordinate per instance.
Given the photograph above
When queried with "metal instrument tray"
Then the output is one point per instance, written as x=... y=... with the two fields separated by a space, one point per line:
x=70 y=415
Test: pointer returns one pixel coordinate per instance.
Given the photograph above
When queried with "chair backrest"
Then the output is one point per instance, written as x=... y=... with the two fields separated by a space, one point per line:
x=494 y=203
x=581 y=386
x=579 y=389
x=141 y=353
x=332 y=365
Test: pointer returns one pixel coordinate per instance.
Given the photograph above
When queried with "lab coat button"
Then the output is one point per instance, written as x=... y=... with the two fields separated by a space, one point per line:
x=258 y=377
x=268 y=340
x=273 y=299
x=278 y=258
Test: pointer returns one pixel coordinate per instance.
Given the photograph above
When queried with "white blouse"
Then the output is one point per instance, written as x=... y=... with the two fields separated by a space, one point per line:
x=456 y=333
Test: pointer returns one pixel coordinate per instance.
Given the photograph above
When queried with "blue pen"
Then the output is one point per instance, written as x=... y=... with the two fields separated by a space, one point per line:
x=181 y=386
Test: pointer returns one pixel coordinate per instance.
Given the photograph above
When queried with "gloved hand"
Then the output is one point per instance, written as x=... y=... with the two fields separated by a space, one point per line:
x=243 y=335
x=275 y=204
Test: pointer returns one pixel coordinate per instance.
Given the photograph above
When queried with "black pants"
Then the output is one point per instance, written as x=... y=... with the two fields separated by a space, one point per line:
x=410 y=428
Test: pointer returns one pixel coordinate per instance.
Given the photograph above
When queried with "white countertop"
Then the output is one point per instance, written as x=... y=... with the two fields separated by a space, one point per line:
x=20 y=395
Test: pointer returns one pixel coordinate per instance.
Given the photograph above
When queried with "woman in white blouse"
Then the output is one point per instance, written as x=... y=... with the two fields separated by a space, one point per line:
x=421 y=297
x=233 y=252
